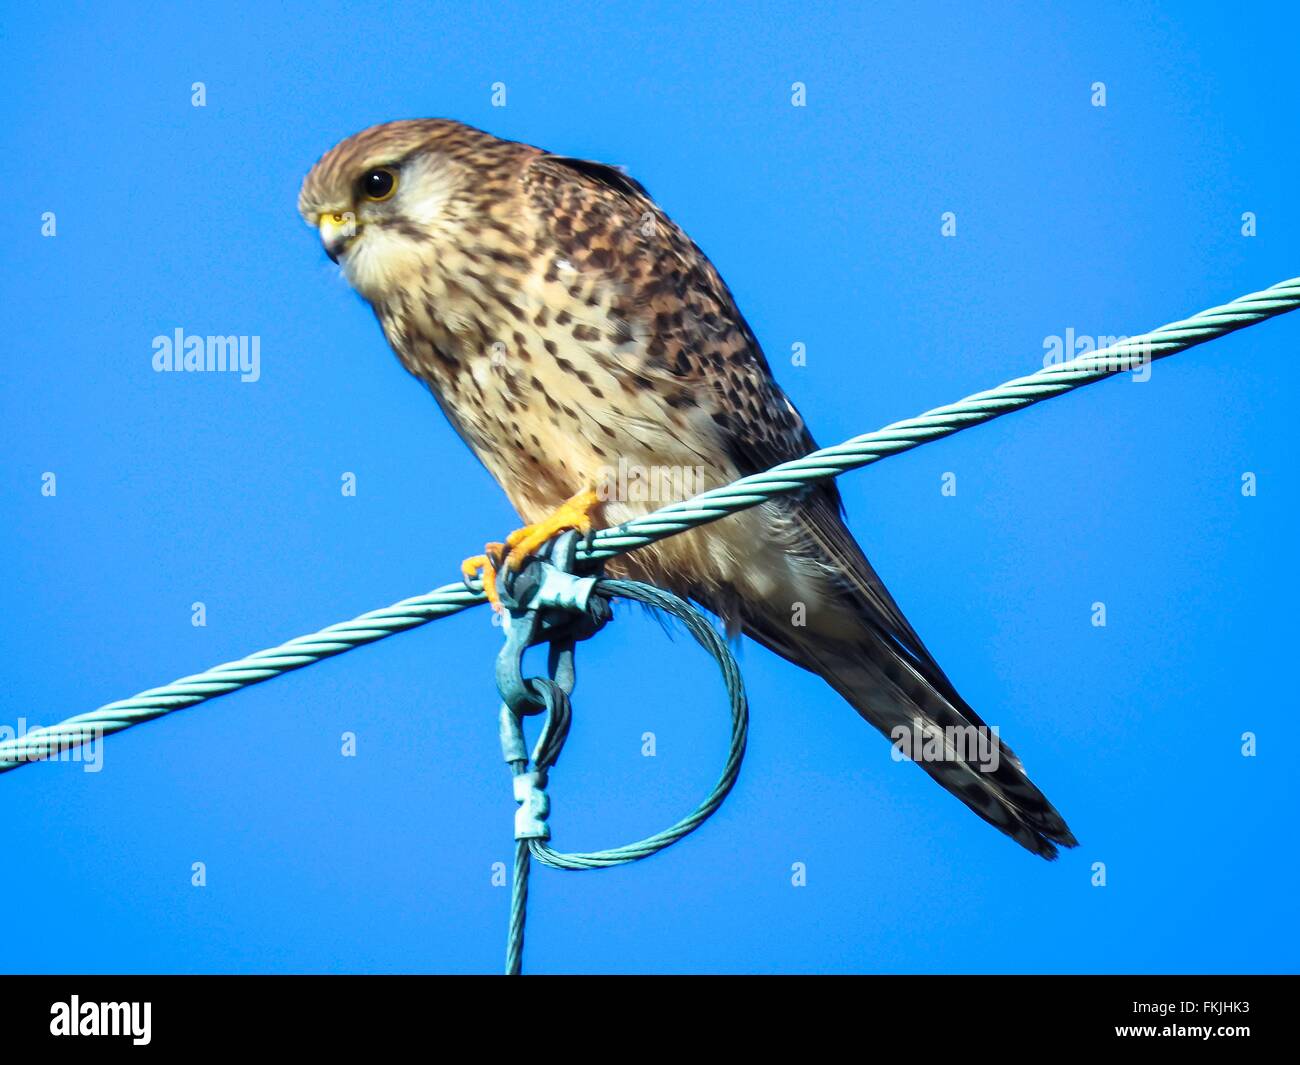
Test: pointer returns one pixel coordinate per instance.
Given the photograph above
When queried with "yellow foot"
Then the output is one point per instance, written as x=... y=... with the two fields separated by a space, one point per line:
x=485 y=565
x=572 y=514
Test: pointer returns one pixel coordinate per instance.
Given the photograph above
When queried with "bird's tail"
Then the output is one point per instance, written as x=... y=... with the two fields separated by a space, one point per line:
x=878 y=663
x=939 y=731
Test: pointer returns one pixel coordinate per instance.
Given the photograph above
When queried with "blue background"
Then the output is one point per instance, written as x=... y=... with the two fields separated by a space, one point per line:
x=825 y=220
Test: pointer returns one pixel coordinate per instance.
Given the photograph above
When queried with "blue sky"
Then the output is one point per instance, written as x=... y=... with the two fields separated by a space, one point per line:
x=181 y=488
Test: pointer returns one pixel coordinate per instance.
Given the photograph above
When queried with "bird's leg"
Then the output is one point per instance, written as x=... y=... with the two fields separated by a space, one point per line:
x=573 y=514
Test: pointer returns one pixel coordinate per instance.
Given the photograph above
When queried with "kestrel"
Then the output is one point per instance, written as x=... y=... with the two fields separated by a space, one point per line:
x=568 y=328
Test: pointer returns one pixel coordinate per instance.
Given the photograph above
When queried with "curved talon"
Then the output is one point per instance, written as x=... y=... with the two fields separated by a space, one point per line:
x=574 y=513
x=485 y=567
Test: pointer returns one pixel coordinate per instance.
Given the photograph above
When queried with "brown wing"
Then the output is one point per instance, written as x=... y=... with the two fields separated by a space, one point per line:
x=700 y=347
x=697 y=345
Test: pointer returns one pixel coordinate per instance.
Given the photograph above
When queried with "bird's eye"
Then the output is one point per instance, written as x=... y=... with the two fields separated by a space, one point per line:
x=380 y=183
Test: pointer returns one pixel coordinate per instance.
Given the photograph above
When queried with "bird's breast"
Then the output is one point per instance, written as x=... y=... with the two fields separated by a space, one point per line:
x=545 y=376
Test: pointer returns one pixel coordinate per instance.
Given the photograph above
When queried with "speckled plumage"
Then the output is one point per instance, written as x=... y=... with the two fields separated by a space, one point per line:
x=566 y=326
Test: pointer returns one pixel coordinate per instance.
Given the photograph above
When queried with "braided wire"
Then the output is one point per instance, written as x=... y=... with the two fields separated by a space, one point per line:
x=231 y=676
x=518 y=911
x=534 y=847
x=894 y=439
x=707 y=637
x=675 y=518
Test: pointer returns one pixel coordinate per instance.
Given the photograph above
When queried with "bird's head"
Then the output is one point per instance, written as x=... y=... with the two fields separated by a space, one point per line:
x=386 y=199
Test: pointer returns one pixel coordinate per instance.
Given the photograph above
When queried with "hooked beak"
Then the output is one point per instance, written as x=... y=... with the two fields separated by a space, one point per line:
x=337 y=231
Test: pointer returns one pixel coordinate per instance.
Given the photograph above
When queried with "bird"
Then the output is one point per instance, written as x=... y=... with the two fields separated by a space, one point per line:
x=567 y=327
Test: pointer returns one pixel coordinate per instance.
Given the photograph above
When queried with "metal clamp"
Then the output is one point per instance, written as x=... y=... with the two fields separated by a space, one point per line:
x=546 y=602
x=535 y=806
